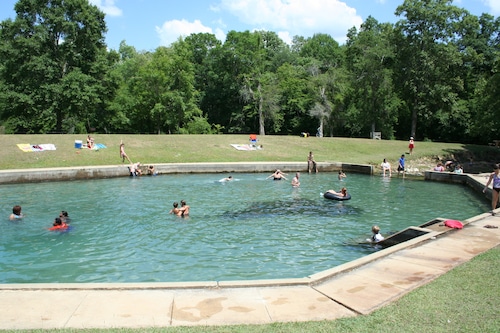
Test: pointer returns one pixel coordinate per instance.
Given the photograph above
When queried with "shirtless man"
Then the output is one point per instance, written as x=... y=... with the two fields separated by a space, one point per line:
x=123 y=155
x=184 y=210
x=175 y=210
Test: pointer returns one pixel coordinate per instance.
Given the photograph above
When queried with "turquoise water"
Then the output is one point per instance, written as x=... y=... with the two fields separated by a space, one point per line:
x=250 y=228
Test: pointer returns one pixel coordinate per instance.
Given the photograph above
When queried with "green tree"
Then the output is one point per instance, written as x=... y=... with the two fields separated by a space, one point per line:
x=324 y=60
x=53 y=54
x=370 y=57
x=428 y=62
x=479 y=45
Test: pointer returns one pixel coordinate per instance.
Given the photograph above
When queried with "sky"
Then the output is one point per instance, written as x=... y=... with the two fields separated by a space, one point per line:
x=148 y=24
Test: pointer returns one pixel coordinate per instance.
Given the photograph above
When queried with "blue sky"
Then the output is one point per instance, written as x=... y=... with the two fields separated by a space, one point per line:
x=147 y=24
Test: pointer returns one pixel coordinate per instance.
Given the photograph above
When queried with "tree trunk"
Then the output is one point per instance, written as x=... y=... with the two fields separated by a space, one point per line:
x=414 y=115
x=262 y=130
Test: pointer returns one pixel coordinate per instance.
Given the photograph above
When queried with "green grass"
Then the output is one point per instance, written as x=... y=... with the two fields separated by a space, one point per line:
x=463 y=300
x=216 y=148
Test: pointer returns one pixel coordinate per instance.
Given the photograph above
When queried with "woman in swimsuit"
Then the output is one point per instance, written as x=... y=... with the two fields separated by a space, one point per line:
x=495 y=178
x=278 y=175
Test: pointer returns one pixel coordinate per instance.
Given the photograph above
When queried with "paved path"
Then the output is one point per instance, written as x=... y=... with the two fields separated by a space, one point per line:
x=352 y=289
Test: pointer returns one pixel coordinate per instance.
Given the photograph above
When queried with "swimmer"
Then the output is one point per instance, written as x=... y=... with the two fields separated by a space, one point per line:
x=342 y=193
x=227 y=179
x=184 y=210
x=64 y=217
x=16 y=213
x=58 y=224
x=295 y=180
x=376 y=237
x=175 y=210
x=277 y=175
x=151 y=170
x=341 y=175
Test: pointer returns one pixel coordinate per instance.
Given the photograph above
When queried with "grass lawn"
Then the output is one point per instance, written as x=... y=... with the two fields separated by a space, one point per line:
x=149 y=149
x=465 y=299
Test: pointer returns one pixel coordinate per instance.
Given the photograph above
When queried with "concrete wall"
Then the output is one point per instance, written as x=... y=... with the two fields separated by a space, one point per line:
x=92 y=172
x=475 y=181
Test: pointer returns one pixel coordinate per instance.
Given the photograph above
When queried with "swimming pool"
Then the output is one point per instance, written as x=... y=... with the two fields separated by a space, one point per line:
x=250 y=228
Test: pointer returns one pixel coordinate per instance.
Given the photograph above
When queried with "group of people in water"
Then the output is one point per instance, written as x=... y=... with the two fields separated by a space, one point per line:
x=182 y=211
x=60 y=223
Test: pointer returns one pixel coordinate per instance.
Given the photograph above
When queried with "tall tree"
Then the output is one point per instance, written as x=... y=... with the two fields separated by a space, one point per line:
x=52 y=52
x=370 y=56
x=324 y=60
x=427 y=60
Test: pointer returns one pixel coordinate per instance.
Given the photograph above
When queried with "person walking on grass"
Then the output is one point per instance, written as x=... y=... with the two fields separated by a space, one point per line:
x=124 y=155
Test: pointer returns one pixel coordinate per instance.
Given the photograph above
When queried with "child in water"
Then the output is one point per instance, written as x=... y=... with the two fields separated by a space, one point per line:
x=376 y=237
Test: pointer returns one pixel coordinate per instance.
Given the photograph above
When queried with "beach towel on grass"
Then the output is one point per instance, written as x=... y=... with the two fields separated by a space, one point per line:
x=28 y=148
x=99 y=146
x=243 y=147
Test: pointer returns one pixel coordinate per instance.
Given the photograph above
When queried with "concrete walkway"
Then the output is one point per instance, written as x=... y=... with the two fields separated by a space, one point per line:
x=355 y=288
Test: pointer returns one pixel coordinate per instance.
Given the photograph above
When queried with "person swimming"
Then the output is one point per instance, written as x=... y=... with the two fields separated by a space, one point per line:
x=58 y=225
x=175 y=209
x=277 y=175
x=16 y=213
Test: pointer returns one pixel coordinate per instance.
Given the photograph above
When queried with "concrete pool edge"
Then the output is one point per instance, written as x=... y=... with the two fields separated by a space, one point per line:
x=13 y=176
x=355 y=288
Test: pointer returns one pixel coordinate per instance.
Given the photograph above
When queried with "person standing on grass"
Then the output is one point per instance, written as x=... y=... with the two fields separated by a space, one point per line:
x=495 y=178
x=124 y=155
x=411 y=145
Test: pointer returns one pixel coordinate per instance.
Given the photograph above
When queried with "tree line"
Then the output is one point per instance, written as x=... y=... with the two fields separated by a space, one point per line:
x=434 y=75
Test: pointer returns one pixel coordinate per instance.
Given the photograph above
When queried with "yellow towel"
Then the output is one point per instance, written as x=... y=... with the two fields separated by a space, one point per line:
x=26 y=147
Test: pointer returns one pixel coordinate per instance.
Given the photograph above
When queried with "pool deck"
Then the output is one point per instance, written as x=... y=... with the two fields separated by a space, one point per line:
x=352 y=289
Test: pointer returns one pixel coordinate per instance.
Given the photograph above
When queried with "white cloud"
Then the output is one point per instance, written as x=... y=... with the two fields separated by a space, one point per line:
x=494 y=6
x=296 y=17
x=170 y=31
x=107 y=6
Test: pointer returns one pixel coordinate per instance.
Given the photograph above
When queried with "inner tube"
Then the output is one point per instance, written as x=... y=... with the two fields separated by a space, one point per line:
x=63 y=226
x=331 y=196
